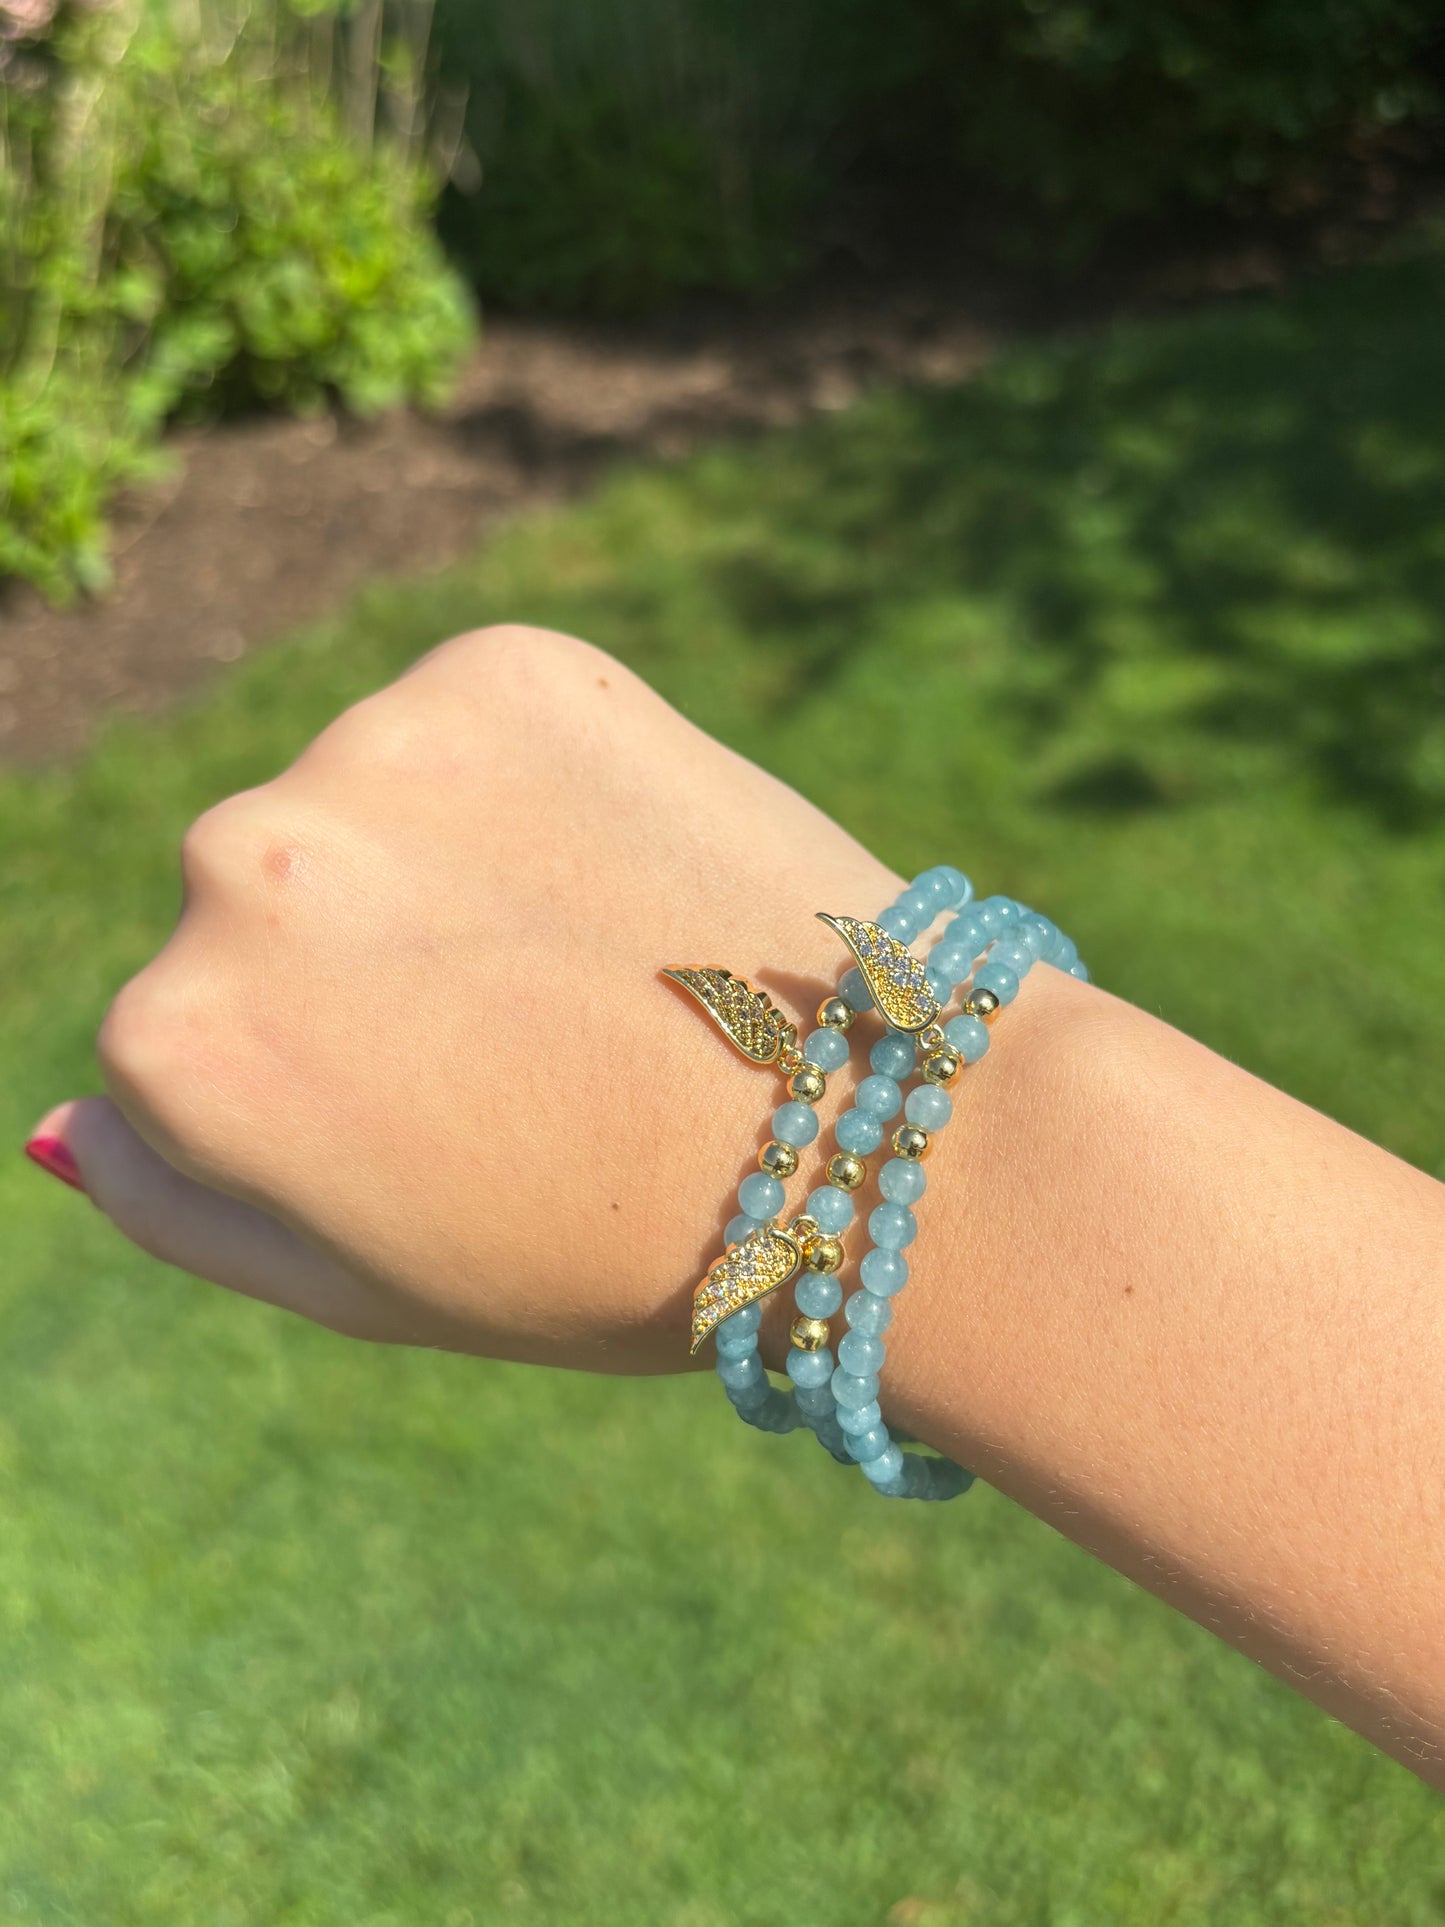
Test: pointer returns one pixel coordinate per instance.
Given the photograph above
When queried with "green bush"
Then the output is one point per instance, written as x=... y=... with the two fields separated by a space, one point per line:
x=191 y=225
x=1103 y=110
x=629 y=154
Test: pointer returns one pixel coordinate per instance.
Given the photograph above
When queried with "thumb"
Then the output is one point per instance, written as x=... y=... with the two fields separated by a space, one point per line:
x=89 y=1145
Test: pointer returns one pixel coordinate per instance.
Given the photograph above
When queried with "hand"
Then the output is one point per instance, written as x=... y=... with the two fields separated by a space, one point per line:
x=407 y=1065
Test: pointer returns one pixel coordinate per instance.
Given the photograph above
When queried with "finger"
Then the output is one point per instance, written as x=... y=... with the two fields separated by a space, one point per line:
x=90 y=1145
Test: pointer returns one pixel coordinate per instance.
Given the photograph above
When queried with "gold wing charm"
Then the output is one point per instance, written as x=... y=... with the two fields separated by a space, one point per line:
x=896 y=980
x=765 y=1259
x=745 y=1015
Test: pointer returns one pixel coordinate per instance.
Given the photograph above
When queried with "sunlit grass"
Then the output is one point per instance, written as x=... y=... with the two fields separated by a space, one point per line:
x=1147 y=630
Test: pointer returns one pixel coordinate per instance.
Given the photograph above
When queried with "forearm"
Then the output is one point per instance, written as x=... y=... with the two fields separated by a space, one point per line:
x=1200 y=1329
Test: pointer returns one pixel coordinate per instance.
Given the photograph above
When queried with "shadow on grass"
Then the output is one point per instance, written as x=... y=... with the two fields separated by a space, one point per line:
x=1220 y=539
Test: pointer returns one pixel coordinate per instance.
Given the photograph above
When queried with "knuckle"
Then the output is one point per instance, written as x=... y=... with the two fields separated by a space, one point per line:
x=224 y=843
x=134 y=1042
x=514 y=657
x=163 y=1055
x=384 y=734
x=502 y=677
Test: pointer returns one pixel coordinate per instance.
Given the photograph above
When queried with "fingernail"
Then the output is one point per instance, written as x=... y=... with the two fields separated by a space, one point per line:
x=52 y=1154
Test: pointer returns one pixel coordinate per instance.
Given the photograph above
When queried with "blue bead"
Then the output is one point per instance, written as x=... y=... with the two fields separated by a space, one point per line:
x=761 y=1196
x=929 y=1108
x=952 y=961
x=961 y=888
x=869 y=1313
x=886 y=1467
x=919 y=905
x=746 y=1320
x=878 y=1096
x=893 y=1055
x=1015 y=953
x=851 y=1390
x=884 y=1272
x=740 y=1372
x=898 y=923
x=832 y=1208
x=1035 y=932
x=815 y=1401
x=860 y=1354
x=817 y=1296
x=856 y=1418
x=949 y=1481
x=892 y=1226
x=749 y=1399
x=775 y=1412
x=853 y=990
x=810 y=1368
x=940 y=984
x=998 y=978
x=795 y=1124
x=1003 y=910
x=989 y=919
x=739 y=1228
x=1081 y=971
x=903 y=1180
x=732 y=1344
x=826 y=1048
x=937 y=886
x=968 y=1036
x=1063 y=952
x=859 y=1133
x=864 y=1446
x=968 y=933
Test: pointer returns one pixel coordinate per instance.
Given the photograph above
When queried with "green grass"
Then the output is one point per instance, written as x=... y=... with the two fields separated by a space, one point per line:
x=1148 y=630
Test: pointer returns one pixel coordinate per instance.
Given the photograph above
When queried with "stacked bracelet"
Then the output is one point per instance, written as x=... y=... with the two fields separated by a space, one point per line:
x=838 y=1401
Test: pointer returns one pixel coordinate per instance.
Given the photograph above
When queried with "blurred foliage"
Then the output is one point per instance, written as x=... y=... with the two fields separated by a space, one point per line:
x=627 y=155
x=194 y=217
x=1097 y=110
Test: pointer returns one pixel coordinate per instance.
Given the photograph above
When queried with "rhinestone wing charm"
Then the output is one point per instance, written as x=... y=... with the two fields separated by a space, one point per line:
x=747 y=1016
x=765 y=1259
x=896 y=980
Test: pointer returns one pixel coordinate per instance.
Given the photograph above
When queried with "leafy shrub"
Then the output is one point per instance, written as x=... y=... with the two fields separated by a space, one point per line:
x=627 y=154
x=1102 y=110
x=188 y=223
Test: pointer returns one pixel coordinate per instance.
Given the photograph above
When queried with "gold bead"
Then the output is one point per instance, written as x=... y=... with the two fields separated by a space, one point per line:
x=980 y=1003
x=910 y=1142
x=823 y=1254
x=835 y=1013
x=781 y=1160
x=803 y=1227
x=942 y=1067
x=809 y=1334
x=807 y=1084
x=846 y=1170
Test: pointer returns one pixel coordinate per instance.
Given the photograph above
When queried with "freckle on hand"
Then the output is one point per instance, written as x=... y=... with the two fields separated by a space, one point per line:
x=281 y=862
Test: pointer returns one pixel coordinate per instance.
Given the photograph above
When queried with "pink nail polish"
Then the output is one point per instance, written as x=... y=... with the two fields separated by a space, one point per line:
x=53 y=1155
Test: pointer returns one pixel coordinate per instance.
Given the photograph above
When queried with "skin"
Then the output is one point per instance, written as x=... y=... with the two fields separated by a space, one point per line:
x=407 y=1067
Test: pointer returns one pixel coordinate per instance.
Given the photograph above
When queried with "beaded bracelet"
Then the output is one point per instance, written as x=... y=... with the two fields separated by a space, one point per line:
x=839 y=1404
x=761 y=1256
x=1015 y=938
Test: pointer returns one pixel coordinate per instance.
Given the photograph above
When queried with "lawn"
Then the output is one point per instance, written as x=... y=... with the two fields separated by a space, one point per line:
x=1147 y=629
